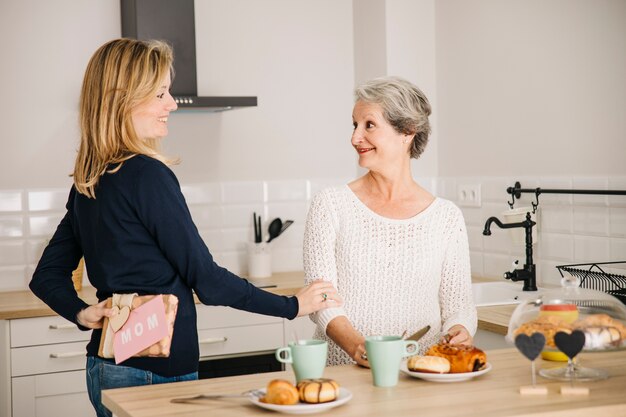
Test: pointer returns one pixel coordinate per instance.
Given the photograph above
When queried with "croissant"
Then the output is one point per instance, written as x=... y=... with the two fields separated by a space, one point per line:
x=319 y=390
x=462 y=358
x=280 y=392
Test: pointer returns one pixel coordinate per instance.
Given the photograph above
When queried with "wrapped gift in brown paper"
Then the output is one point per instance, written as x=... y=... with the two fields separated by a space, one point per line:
x=124 y=303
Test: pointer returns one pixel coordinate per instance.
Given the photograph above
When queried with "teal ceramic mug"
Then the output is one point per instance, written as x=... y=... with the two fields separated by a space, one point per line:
x=307 y=358
x=384 y=354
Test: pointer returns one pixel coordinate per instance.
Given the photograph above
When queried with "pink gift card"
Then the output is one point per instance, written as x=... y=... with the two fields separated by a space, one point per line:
x=145 y=326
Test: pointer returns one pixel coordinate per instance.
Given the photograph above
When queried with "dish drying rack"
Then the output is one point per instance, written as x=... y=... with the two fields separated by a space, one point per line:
x=594 y=277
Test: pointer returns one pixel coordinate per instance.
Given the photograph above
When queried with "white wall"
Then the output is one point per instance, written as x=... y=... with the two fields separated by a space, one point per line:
x=45 y=50
x=531 y=87
x=296 y=56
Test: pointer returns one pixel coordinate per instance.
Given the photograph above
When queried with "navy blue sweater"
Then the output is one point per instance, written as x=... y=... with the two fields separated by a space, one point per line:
x=138 y=236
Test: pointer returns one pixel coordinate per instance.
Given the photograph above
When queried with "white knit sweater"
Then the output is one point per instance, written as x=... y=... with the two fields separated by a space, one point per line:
x=393 y=275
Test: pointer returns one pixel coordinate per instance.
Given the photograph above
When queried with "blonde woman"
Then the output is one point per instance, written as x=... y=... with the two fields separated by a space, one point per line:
x=398 y=255
x=127 y=217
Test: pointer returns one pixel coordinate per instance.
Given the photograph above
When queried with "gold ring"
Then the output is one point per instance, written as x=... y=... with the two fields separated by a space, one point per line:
x=324 y=296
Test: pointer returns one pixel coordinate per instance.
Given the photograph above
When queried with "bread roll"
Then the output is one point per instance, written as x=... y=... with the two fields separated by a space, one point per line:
x=462 y=358
x=280 y=392
x=431 y=364
x=319 y=390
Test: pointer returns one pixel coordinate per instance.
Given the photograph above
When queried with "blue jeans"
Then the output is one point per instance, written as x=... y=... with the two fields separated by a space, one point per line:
x=103 y=374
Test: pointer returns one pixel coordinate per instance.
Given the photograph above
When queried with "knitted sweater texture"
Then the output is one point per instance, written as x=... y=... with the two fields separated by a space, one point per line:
x=393 y=275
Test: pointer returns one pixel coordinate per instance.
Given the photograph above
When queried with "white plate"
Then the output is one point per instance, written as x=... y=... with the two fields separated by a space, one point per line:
x=444 y=377
x=303 y=408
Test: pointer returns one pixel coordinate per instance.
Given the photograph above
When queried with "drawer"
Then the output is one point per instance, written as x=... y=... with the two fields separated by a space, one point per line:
x=48 y=358
x=235 y=340
x=45 y=330
x=214 y=317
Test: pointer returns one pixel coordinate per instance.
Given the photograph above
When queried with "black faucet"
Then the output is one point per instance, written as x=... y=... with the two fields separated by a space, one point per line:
x=528 y=273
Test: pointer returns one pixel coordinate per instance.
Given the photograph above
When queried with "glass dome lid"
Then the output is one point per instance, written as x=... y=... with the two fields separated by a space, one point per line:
x=600 y=316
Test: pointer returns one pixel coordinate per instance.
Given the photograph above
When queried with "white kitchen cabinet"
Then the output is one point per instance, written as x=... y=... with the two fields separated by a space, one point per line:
x=227 y=332
x=58 y=394
x=45 y=375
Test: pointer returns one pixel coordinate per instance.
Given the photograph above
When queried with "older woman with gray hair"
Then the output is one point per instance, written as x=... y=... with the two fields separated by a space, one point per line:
x=398 y=255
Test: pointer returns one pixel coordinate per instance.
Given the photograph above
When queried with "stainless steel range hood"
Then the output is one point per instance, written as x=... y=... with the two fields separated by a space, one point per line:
x=173 y=21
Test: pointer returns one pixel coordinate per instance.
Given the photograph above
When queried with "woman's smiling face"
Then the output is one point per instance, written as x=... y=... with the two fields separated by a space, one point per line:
x=150 y=117
x=375 y=140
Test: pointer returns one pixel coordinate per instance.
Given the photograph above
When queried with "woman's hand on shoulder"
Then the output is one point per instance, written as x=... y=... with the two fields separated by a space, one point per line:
x=316 y=296
x=458 y=335
x=93 y=316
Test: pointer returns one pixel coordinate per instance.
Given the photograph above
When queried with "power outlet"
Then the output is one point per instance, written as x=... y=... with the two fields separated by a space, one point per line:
x=468 y=195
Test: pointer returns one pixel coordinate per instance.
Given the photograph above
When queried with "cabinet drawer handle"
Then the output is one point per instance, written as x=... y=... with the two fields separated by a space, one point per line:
x=66 y=355
x=213 y=340
x=62 y=326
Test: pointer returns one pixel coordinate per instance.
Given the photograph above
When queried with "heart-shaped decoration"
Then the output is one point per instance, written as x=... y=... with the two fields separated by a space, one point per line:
x=530 y=346
x=570 y=344
x=118 y=320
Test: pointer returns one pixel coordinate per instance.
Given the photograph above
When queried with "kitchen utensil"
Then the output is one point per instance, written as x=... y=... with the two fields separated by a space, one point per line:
x=258 y=238
x=250 y=393
x=285 y=226
x=419 y=334
x=274 y=229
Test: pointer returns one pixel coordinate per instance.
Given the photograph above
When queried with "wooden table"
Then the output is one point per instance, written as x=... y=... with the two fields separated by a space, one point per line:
x=493 y=394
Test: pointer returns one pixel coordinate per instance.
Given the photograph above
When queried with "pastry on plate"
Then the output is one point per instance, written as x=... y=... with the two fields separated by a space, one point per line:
x=430 y=364
x=462 y=358
x=319 y=390
x=281 y=392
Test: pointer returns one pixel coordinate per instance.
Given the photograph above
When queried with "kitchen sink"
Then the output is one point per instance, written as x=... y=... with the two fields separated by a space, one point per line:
x=500 y=293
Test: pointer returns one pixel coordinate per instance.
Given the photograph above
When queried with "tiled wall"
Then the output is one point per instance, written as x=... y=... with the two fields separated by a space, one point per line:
x=222 y=212
x=572 y=228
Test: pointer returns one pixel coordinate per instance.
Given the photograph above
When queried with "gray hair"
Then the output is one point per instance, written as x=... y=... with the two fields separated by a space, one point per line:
x=405 y=107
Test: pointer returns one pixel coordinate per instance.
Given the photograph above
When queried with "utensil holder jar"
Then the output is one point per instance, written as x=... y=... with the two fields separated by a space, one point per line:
x=259 y=260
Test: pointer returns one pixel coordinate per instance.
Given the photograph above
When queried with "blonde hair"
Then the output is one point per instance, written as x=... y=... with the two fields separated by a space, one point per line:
x=404 y=106
x=120 y=75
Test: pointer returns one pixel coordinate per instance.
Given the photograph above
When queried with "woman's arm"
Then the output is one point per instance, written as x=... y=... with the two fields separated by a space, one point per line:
x=162 y=209
x=319 y=252
x=340 y=330
x=52 y=279
x=458 y=312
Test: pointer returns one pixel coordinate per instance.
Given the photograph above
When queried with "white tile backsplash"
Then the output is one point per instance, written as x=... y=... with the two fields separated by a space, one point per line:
x=209 y=193
x=11 y=226
x=556 y=219
x=617 y=221
x=618 y=250
x=44 y=225
x=34 y=249
x=240 y=216
x=244 y=192
x=591 y=249
x=556 y=246
x=296 y=190
x=206 y=216
x=292 y=210
x=12 y=252
x=590 y=184
x=572 y=230
x=47 y=200
x=591 y=221
x=10 y=201
x=13 y=278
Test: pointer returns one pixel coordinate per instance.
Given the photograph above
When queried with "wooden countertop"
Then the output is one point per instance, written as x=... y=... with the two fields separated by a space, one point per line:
x=493 y=394
x=24 y=304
